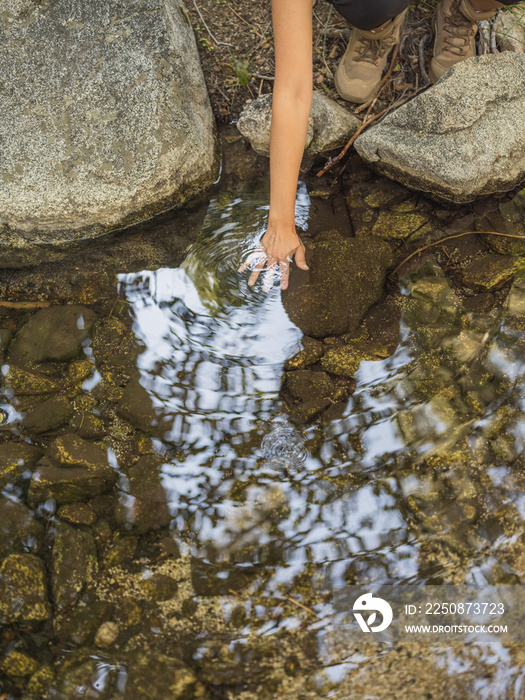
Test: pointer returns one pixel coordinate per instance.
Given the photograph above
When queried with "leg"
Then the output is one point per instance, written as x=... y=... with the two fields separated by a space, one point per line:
x=455 y=27
x=376 y=29
x=369 y=14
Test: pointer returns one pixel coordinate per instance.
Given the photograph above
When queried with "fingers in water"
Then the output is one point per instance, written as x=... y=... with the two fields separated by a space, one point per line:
x=257 y=271
x=270 y=274
x=284 y=269
x=253 y=258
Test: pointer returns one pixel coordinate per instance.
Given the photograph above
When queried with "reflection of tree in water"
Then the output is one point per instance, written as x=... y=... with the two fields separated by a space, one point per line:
x=418 y=478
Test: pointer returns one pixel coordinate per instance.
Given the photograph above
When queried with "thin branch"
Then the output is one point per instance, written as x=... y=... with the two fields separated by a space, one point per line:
x=216 y=41
x=448 y=238
x=421 y=52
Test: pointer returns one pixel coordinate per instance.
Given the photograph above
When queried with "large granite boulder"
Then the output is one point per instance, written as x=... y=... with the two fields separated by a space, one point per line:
x=346 y=277
x=462 y=138
x=105 y=120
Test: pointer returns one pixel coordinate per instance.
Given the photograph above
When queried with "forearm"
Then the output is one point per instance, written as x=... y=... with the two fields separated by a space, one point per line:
x=290 y=112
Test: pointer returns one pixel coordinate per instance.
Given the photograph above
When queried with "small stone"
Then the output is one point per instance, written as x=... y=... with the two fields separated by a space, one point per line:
x=19 y=530
x=77 y=514
x=52 y=334
x=136 y=407
x=88 y=426
x=107 y=634
x=121 y=553
x=70 y=450
x=159 y=587
x=344 y=361
x=17 y=461
x=147 y=509
x=48 y=415
x=17 y=664
x=305 y=384
x=391 y=225
x=312 y=351
x=69 y=484
x=41 y=680
x=329 y=125
x=168 y=676
x=308 y=410
x=24 y=380
x=23 y=594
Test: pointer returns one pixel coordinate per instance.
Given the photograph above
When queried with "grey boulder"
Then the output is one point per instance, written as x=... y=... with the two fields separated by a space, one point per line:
x=106 y=120
x=461 y=139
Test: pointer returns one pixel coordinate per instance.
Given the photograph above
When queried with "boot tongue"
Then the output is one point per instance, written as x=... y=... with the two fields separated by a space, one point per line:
x=469 y=12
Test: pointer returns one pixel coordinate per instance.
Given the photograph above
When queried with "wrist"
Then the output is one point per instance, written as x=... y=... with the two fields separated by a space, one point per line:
x=281 y=221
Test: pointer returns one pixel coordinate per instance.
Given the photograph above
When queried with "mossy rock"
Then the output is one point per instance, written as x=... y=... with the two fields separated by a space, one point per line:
x=346 y=277
x=52 y=334
x=17 y=461
x=23 y=589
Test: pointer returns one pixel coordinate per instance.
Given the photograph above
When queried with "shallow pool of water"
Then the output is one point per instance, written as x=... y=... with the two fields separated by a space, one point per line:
x=192 y=538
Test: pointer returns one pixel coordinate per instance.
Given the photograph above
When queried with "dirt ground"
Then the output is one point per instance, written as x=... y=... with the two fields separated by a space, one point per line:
x=235 y=42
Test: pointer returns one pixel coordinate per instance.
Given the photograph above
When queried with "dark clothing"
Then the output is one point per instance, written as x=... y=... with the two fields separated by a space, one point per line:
x=369 y=14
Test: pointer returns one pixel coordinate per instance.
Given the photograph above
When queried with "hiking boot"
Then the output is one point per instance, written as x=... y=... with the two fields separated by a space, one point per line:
x=359 y=72
x=455 y=26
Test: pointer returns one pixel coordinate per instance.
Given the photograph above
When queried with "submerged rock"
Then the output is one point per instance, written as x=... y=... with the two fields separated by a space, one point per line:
x=508 y=218
x=110 y=124
x=23 y=594
x=17 y=664
x=155 y=674
x=345 y=279
x=107 y=634
x=73 y=470
x=489 y=271
x=312 y=351
x=474 y=149
x=74 y=563
x=329 y=125
x=136 y=407
x=19 y=531
x=52 y=334
x=147 y=507
x=48 y=415
x=17 y=460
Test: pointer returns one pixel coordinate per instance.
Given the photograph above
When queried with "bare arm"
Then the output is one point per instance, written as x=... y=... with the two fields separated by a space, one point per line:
x=292 y=99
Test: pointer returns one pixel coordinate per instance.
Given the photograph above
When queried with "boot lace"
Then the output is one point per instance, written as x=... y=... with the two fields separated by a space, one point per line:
x=373 y=50
x=457 y=31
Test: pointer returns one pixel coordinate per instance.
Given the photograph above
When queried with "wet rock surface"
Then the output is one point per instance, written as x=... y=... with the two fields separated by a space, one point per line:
x=473 y=150
x=54 y=334
x=124 y=132
x=73 y=469
x=23 y=589
x=345 y=279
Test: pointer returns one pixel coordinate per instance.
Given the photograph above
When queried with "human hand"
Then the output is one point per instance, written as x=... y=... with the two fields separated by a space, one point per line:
x=277 y=248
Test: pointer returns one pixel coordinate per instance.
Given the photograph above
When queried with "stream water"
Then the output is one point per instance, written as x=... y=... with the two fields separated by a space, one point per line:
x=173 y=533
